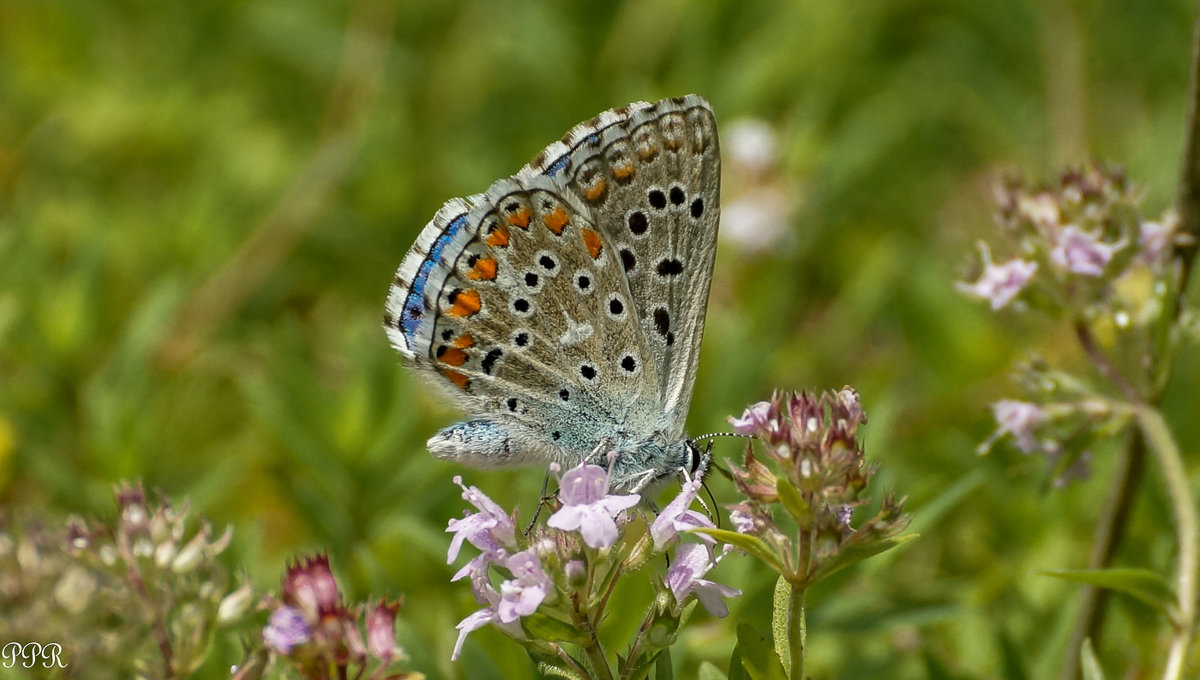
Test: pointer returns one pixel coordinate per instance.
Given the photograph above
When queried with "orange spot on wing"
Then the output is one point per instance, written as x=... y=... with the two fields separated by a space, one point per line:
x=464 y=303
x=594 y=245
x=623 y=171
x=464 y=341
x=596 y=190
x=484 y=269
x=520 y=218
x=556 y=220
x=456 y=378
x=498 y=238
x=452 y=356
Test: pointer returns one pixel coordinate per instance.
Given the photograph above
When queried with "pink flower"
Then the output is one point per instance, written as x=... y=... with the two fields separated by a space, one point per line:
x=521 y=595
x=758 y=418
x=692 y=561
x=999 y=283
x=587 y=506
x=286 y=629
x=489 y=529
x=381 y=630
x=677 y=517
x=1081 y=252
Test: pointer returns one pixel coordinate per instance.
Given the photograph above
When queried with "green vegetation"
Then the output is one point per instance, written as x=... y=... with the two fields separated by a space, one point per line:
x=202 y=205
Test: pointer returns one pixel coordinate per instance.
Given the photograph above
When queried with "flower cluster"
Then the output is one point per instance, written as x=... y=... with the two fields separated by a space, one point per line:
x=813 y=474
x=551 y=585
x=312 y=628
x=1079 y=244
x=1085 y=256
x=148 y=578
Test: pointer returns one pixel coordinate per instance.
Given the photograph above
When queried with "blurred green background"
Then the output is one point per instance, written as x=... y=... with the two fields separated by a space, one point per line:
x=202 y=205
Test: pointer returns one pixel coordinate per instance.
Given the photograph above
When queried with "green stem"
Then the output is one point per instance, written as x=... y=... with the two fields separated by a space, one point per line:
x=797 y=631
x=593 y=649
x=1162 y=444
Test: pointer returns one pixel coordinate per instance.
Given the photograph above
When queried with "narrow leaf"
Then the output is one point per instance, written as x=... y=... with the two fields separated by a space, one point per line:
x=758 y=658
x=736 y=670
x=1142 y=584
x=710 y=672
x=751 y=544
x=542 y=627
x=857 y=553
x=794 y=503
x=1088 y=662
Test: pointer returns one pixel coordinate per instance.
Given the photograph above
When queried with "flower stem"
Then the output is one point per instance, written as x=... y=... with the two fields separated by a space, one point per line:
x=797 y=631
x=593 y=649
x=1162 y=444
x=1109 y=534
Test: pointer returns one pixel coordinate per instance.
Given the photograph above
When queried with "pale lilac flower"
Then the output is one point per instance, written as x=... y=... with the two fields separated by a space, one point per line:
x=521 y=595
x=1081 y=252
x=1155 y=238
x=743 y=519
x=844 y=514
x=588 y=507
x=677 y=517
x=286 y=629
x=756 y=418
x=489 y=529
x=692 y=562
x=999 y=283
x=472 y=623
x=1018 y=418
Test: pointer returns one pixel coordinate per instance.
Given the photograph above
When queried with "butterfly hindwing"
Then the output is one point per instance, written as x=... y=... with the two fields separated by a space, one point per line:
x=524 y=318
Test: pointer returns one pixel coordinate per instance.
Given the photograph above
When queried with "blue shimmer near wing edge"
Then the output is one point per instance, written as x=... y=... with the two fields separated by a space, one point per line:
x=557 y=166
x=412 y=315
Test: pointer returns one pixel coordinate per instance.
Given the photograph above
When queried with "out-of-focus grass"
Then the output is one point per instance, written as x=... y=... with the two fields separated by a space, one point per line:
x=202 y=204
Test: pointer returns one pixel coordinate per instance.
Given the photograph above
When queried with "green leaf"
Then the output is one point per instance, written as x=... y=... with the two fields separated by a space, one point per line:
x=543 y=627
x=710 y=672
x=751 y=544
x=1142 y=584
x=1088 y=663
x=662 y=666
x=779 y=620
x=758 y=658
x=736 y=670
x=857 y=553
x=794 y=503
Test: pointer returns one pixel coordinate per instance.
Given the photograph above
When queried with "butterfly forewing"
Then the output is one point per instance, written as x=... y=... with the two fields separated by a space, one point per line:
x=650 y=174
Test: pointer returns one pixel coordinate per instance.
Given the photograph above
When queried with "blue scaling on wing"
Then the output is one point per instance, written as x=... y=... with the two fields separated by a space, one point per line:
x=558 y=165
x=414 y=304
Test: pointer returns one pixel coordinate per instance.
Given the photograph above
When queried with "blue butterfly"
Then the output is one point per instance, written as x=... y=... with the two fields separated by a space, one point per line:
x=563 y=308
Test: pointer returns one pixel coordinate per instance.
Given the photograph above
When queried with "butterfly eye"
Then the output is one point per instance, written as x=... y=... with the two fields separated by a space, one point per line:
x=695 y=454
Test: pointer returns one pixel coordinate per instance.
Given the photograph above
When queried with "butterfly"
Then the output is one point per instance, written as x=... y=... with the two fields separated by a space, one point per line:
x=563 y=308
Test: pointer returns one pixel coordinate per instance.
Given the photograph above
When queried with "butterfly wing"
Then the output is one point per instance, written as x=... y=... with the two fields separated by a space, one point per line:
x=650 y=175
x=514 y=303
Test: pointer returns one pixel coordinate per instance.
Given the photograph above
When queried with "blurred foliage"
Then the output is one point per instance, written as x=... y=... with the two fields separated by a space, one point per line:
x=202 y=204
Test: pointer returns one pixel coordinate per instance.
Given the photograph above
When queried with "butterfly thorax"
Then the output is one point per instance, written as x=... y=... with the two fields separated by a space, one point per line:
x=640 y=465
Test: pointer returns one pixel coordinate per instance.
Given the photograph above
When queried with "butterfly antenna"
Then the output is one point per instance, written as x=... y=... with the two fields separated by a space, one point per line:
x=714 y=435
x=712 y=513
x=543 y=501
